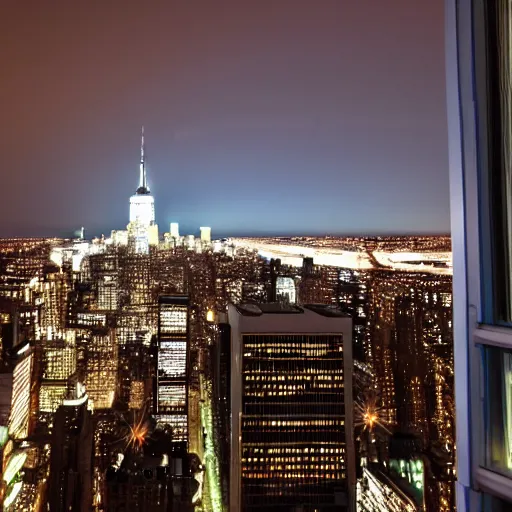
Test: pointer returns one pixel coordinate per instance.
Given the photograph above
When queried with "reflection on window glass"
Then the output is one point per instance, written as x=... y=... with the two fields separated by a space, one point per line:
x=499 y=399
x=493 y=504
x=499 y=124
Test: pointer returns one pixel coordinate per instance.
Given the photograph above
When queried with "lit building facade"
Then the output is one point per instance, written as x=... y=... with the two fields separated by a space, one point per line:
x=101 y=369
x=51 y=290
x=174 y=230
x=343 y=288
x=286 y=290
x=291 y=408
x=171 y=395
x=377 y=492
x=19 y=420
x=20 y=262
x=59 y=360
x=206 y=234
x=58 y=364
x=410 y=350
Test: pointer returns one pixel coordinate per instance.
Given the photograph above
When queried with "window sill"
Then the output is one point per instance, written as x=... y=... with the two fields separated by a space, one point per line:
x=495 y=336
x=494 y=483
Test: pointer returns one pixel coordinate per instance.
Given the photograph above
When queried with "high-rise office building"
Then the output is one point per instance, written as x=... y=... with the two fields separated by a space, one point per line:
x=174 y=230
x=479 y=100
x=104 y=270
x=19 y=420
x=206 y=234
x=171 y=393
x=286 y=290
x=70 y=481
x=220 y=364
x=291 y=408
x=343 y=288
x=58 y=363
x=102 y=362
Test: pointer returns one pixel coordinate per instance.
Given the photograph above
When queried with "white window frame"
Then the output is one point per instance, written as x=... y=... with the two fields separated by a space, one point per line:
x=462 y=165
x=469 y=332
x=488 y=480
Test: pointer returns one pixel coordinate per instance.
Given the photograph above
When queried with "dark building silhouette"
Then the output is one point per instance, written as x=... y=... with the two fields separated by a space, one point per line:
x=71 y=463
x=156 y=477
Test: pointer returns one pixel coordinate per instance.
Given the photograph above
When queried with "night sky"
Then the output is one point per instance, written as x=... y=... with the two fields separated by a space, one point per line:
x=261 y=116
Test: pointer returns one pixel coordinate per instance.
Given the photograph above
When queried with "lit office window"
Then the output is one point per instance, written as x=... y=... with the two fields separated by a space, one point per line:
x=499 y=399
x=173 y=319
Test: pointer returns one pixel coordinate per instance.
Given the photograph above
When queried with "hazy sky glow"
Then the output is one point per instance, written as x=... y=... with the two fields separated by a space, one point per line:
x=286 y=117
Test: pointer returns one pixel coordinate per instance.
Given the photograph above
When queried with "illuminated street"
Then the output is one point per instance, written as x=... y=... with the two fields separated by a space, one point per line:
x=214 y=495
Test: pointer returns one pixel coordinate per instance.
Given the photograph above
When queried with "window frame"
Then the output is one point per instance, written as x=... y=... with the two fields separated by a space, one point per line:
x=489 y=479
x=484 y=326
x=465 y=222
x=473 y=288
x=494 y=483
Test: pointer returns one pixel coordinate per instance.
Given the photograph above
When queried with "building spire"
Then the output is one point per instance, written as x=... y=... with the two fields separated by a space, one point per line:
x=143 y=182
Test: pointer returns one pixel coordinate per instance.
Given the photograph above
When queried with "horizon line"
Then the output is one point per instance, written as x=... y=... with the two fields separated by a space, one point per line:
x=221 y=235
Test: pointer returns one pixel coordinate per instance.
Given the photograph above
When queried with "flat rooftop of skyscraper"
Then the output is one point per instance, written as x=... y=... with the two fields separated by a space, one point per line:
x=268 y=308
x=272 y=308
x=277 y=317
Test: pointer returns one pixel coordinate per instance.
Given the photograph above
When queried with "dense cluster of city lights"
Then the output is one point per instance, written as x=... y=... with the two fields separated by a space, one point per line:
x=117 y=322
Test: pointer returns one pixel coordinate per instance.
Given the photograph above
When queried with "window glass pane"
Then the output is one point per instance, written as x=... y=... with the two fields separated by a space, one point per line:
x=498 y=364
x=496 y=161
x=493 y=504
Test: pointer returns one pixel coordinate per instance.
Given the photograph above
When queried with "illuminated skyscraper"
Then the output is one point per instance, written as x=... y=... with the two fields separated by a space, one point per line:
x=102 y=369
x=174 y=230
x=142 y=209
x=19 y=419
x=206 y=234
x=59 y=362
x=377 y=492
x=172 y=372
x=286 y=290
x=291 y=408
x=52 y=289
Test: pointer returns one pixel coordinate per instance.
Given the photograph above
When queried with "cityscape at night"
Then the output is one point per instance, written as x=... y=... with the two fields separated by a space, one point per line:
x=256 y=256
x=162 y=371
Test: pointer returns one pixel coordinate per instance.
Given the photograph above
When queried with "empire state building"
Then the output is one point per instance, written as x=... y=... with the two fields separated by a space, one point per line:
x=142 y=230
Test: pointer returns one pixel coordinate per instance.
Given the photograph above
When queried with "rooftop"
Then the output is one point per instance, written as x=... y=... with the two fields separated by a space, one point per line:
x=279 y=308
x=269 y=308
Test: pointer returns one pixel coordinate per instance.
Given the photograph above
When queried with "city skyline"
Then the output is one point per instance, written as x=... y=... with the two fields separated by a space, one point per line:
x=151 y=354
x=342 y=342
x=235 y=122
x=151 y=369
